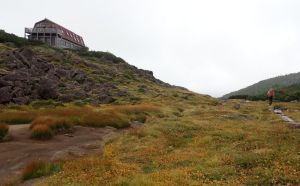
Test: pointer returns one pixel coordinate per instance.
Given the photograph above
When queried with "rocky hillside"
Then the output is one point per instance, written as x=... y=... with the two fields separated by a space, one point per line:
x=37 y=72
x=282 y=84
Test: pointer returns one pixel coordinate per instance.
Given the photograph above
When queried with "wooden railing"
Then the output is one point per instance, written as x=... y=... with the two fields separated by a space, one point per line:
x=43 y=30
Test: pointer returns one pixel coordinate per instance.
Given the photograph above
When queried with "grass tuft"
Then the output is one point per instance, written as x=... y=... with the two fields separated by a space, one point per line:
x=41 y=132
x=16 y=117
x=3 y=131
x=105 y=118
x=36 y=169
x=57 y=124
x=136 y=109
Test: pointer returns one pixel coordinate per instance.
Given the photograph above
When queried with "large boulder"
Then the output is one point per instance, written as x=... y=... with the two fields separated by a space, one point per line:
x=5 y=83
x=106 y=98
x=78 y=75
x=18 y=92
x=27 y=53
x=5 y=94
x=43 y=66
x=47 y=89
x=22 y=100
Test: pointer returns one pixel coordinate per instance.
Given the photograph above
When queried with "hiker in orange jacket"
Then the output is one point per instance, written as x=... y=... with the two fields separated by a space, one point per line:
x=271 y=94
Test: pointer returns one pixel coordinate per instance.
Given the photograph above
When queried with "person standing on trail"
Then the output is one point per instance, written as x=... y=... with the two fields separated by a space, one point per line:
x=271 y=94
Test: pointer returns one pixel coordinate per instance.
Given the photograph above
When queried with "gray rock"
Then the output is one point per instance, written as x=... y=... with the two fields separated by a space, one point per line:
x=294 y=125
x=47 y=90
x=27 y=53
x=106 y=99
x=123 y=93
x=277 y=111
x=110 y=128
x=4 y=72
x=15 y=77
x=5 y=83
x=43 y=66
x=237 y=106
x=61 y=72
x=136 y=124
x=22 y=100
x=80 y=94
x=287 y=119
x=18 y=92
x=5 y=94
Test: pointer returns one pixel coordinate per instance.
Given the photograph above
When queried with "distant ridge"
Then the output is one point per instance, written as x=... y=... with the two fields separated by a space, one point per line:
x=261 y=88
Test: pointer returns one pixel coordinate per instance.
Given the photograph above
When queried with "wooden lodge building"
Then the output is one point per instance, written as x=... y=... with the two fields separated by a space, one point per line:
x=55 y=35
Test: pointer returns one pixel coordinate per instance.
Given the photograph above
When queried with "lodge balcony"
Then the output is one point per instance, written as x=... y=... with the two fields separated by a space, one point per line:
x=39 y=31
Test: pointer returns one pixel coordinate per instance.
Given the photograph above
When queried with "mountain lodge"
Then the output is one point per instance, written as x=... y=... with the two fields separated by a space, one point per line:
x=54 y=34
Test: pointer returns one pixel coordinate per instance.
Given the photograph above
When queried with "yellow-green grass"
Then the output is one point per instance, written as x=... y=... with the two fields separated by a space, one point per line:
x=36 y=169
x=292 y=110
x=209 y=144
x=16 y=116
x=118 y=116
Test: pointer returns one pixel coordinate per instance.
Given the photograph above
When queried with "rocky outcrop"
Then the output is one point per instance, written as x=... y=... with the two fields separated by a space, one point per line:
x=26 y=75
x=25 y=78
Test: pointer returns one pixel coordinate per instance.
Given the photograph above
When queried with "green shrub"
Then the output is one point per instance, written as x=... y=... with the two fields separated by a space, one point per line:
x=177 y=113
x=80 y=103
x=251 y=160
x=180 y=109
x=13 y=106
x=45 y=104
x=141 y=90
x=101 y=55
x=17 y=41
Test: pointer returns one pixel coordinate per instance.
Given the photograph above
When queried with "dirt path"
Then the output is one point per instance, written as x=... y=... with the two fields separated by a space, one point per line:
x=292 y=123
x=15 y=154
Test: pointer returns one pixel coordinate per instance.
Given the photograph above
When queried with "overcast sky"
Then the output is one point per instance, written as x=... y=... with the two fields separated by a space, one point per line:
x=209 y=46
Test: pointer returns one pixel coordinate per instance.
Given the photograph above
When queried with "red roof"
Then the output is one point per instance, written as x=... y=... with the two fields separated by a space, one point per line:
x=66 y=34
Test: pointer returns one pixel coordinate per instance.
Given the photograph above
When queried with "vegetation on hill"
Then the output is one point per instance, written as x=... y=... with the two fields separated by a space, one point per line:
x=38 y=72
x=183 y=138
x=290 y=93
x=14 y=40
x=287 y=88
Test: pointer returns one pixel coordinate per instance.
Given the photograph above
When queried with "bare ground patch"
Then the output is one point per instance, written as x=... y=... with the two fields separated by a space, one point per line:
x=20 y=150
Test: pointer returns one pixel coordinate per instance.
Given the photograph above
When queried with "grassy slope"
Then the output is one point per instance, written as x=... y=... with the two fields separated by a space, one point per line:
x=195 y=142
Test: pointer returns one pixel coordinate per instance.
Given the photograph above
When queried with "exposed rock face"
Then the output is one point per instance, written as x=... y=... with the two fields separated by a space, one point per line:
x=47 y=89
x=26 y=76
x=5 y=94
x=29 y=78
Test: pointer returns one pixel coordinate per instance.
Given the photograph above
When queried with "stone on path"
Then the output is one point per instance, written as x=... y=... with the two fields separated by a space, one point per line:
x=290 y=121
x=277 y=111
x=287 y=119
